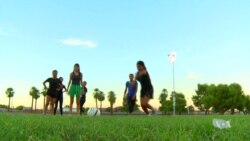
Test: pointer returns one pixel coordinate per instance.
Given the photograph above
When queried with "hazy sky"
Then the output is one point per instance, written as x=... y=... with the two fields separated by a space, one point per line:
x=108 y=37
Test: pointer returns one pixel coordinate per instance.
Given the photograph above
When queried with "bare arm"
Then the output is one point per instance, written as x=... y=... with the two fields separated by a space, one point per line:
x=44 y=84
x=70 y=80
x=125 y=92
x=60 y=88
x=139 y=74
x=81 y=81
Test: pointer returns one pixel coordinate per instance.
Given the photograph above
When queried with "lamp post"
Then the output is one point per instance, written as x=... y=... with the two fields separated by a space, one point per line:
x=172 y=58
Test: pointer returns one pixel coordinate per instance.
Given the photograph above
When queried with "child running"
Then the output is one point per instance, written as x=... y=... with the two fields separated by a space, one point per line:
x=130 y=93
x=146 y=87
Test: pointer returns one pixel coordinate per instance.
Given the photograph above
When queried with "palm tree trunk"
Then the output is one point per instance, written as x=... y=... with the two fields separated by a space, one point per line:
x=35 y=103
x=111 y=109
x=9 y=104
x=96 y=103
x=32 y=104
x=101 y=107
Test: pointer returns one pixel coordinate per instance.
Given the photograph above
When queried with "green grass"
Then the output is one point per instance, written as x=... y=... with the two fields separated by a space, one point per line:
x=120 y=128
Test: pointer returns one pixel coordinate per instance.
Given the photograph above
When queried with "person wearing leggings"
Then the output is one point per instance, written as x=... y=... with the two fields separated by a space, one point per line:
x=83 y=96
x=130 y=93
x=59 y=98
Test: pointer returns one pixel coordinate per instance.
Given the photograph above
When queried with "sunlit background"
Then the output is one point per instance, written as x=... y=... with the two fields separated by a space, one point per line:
x=107 y=38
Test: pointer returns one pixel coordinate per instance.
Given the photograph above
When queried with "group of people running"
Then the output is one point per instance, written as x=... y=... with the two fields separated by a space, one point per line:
x=77 y=89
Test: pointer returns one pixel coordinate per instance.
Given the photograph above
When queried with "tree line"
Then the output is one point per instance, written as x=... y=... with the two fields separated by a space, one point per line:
x=221 y=98
x=167 y=103
x=208 y=98
x=35 y=95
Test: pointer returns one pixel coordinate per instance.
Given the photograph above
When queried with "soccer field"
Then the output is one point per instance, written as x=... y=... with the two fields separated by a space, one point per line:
x=24 y=127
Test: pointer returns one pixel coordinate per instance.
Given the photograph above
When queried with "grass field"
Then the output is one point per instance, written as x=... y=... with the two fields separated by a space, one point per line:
x=120 y=128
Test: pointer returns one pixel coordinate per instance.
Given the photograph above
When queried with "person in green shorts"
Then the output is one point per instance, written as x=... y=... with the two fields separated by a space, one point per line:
x=74 y=87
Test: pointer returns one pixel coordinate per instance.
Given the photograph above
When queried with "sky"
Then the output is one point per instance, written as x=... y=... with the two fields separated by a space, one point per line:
x=107 y=38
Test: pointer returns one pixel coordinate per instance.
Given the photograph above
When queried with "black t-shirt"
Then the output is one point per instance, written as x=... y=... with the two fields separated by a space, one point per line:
x=60 y=92
x=145 y=82
x=84 y=91
x=53 y=83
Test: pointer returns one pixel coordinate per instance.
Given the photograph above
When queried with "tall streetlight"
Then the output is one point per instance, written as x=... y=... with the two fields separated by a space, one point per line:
x=172 y=58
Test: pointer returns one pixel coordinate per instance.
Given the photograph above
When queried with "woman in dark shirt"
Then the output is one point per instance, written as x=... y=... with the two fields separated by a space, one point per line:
x=51 y=91
x=74 y=87
x=147 y=89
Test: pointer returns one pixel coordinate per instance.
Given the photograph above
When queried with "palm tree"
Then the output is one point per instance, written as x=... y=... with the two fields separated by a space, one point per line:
x=44 y=93
x=101 y=98
x=96 y=95
x=111 y=99
x=36 y=97
x=33 y=92
x=9 y=93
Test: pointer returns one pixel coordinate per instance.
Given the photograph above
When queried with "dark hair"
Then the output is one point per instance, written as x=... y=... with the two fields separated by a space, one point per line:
x=60 y=78
x=141 y=63
x=54 y=71
x=131 y=74
x=77 y=66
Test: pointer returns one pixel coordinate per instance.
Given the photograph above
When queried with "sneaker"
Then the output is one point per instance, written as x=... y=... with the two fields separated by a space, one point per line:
x=153 y=112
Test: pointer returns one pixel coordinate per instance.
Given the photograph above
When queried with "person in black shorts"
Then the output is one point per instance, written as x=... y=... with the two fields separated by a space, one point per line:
x=83 y=96
x=59 y=98
x=54 y=82
x=147 y=89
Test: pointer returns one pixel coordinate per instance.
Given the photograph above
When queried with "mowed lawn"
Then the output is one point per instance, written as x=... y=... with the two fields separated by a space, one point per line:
x=26 y=127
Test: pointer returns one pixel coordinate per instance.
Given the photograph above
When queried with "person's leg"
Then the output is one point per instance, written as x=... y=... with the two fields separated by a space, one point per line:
x=53 y=101
x=82 y=101
x=78 y=104
x=81 y=104
x=130 y=108
x=47 y=104
x=71 y=104
x=147 y=99
x=143 y=105
x=61 y=105
x=132 y=105
x=56 y=105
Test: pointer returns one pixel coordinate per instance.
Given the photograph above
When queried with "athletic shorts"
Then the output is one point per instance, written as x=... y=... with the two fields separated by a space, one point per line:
x=52 y=93
x=75 y=90
x=148 y=93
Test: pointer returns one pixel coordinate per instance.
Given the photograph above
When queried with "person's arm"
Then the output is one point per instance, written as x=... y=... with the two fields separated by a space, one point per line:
x=139 y=74
x=125 y=92
x=44 y=84
x=64 y=88
x=81 y=79
x=60 y=86
x=136 y=89
x=70 y=80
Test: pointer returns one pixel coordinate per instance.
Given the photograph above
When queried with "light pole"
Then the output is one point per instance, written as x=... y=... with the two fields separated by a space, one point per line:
x=172 y=58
